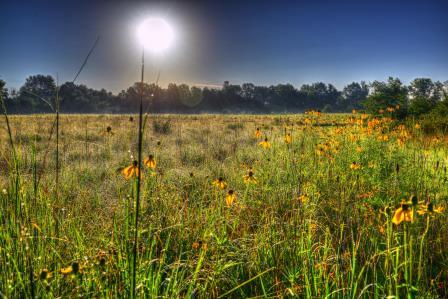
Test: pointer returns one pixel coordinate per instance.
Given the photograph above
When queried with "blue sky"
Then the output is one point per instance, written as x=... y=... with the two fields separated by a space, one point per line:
x=264 y=42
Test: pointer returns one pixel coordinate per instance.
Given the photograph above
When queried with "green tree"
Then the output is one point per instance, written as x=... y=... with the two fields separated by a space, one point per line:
x=353 y=95
x=387 y=94
x=37 y=94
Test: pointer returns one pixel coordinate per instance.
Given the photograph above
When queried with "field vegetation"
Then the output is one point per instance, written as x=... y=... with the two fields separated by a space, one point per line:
x=309 y=205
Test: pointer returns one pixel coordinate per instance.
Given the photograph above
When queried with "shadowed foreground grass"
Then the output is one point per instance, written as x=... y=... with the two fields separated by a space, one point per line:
x=311 y=213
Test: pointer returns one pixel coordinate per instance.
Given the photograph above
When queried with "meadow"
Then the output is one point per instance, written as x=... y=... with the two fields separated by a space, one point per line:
x=232 y=206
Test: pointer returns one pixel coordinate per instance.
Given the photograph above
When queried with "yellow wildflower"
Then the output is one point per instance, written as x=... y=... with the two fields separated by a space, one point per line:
x=355 y=166
x=250 y=178
x=230 y=198
x=220 y=183
x=265 y=143
x=403 y=213
x=288 y=138
x=150 y=162
x=131 y=170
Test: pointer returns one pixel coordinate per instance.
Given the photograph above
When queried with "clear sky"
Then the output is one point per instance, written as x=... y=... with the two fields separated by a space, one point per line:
x=263 y=42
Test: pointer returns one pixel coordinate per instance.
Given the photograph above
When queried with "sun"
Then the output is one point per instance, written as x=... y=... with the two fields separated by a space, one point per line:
x=155 y=34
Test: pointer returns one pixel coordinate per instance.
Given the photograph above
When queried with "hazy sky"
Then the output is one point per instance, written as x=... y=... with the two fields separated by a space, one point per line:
x=264 y=42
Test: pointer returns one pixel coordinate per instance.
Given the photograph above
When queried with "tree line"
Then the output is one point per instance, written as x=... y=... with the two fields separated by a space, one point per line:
x=38 y=95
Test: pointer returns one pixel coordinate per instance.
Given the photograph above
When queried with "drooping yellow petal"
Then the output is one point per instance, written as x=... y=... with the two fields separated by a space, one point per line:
x=128 y=171
x=67 y=271
x=398 y=216
x=150 y=162
x=230 y=198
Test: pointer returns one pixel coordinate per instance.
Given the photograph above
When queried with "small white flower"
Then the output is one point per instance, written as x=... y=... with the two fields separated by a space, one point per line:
x=4 y=191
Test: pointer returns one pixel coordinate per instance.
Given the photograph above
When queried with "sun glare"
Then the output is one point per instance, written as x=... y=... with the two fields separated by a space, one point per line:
x=155 y=34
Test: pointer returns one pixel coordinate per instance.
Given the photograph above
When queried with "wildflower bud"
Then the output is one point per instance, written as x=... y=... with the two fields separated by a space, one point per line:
x=414 y=200
x=397 y=168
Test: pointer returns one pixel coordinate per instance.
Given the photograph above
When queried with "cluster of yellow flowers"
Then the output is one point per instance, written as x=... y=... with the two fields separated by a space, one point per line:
x=406 y=211
x=133 y=170
x=231 y=195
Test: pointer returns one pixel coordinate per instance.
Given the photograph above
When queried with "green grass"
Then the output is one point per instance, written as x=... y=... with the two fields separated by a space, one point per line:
x=336 y=241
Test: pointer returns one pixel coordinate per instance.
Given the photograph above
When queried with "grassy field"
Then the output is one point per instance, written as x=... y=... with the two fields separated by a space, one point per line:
x=330 y=206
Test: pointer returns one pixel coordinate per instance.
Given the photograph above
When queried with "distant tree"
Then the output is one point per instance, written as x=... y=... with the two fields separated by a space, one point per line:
x=387 y=94
x=230 y=98
x=423 y=95
x=36 y=94
x=352 y=96
x=129 y=100
x=319 y=95
x=3 y=89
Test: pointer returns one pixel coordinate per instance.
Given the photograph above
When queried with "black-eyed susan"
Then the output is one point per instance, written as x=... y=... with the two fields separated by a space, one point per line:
x=257 y=133
x=230 y=198
x=45 y=274
x=265 y=143
x=131 y=170
x=72 y=269
x=150 y=162
x=303 y=198
x=403 y=213
x=250 y=178
x=430 y=209
x=220 y=183
x=355 y=165
x=288 y=138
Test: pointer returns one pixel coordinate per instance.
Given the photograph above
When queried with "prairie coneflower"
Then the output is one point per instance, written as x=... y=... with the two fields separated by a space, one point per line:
x=417 y=126
x=45 y=274
x=131 y=170
x=72 y=269
x=430 y=209
x=257 y=133
x=230 y=198
x=288 y=138
x=265 y=143
x=403 y=213
x=109 y=130
x=150 y=162
x=250 y=178
x=355 y=166
x=220 y=183
x=303 y=198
